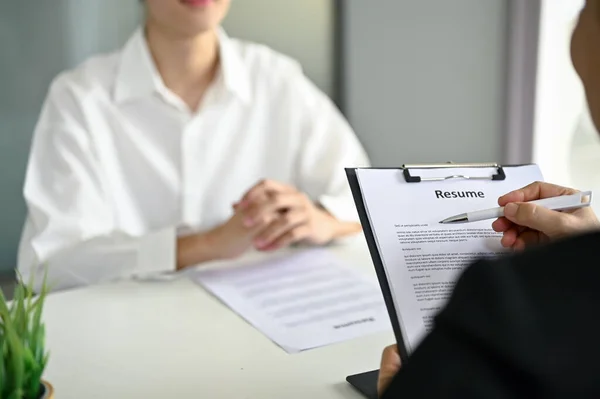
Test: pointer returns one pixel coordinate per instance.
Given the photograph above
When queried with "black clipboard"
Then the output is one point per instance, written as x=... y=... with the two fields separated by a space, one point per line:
x=366 y=382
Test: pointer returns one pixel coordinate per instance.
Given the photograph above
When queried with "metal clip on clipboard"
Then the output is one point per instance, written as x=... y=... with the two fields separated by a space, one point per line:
x=451 y=165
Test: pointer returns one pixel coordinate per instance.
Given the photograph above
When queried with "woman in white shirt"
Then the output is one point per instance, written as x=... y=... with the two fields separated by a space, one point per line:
x=183 y=147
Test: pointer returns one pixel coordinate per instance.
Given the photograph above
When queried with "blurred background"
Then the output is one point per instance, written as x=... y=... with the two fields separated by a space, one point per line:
x=419 y=80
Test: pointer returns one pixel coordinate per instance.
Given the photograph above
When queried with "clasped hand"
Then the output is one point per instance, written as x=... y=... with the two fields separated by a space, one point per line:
x=273 y=215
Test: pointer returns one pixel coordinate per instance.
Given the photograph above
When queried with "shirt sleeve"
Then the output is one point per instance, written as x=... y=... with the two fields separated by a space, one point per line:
x=70 y=227
x=328 y=145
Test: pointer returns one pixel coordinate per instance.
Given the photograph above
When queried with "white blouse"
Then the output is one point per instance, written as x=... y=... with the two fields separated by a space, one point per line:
x=119 y=166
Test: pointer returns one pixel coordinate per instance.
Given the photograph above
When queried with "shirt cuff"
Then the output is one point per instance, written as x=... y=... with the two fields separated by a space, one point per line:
x=341 y=208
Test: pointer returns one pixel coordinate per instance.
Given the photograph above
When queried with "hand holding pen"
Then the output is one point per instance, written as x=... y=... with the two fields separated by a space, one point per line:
x=525 y=223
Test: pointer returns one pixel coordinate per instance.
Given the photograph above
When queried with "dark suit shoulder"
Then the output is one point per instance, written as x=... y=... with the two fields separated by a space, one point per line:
x=567 y=264
x=534 y=312
x=521 y=326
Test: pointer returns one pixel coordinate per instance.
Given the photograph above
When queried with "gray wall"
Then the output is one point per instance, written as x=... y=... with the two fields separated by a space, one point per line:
x=522 y=66
x=424 y=80
x=38 y=40
x=303 y=30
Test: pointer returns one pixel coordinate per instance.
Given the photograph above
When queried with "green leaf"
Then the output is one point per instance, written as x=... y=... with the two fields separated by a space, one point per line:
x=22 y=342
x=3 y=307
x=32 y=388
x=11 y=353
x=37 y=328
x=3 y=376
x=15 y=357
x=18 y=310
x=28 y=359
x=46 y=358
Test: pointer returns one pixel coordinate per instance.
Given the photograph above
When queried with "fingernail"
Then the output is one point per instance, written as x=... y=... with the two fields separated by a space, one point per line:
x=510 y=210
x=248 y=222
x=260 y=243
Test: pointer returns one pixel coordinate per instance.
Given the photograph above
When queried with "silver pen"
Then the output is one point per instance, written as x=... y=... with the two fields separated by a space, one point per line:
x=560 y=203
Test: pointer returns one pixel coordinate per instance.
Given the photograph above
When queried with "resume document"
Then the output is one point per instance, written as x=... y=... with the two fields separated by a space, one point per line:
x=301 y=300
x=421 y=257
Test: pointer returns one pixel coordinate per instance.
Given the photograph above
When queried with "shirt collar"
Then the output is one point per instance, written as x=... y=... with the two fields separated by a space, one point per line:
x=233 y=70
x=138 y=77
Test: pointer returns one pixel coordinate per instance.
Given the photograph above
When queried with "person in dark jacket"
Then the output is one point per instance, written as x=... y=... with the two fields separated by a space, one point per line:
x=527 y=325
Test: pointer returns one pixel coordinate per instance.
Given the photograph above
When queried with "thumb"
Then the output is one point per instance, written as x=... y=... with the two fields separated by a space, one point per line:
x=390 y=365
x=547 y=221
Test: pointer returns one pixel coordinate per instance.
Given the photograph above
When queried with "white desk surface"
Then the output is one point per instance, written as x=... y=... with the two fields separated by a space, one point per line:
x=171 y=339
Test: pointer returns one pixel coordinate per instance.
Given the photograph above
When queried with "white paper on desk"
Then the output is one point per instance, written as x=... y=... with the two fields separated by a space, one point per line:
x=301 y=301
x=421 y=257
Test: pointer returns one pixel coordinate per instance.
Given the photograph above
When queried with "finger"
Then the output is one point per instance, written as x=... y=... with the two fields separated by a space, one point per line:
x=257 y=198
x=262 y=213
x=535 y=191
x=389 y=367
x=509 y=237
x=279 y=227
x=519 y=245
x=520 y=229
x=295 y=235
x=532 y=238
x=260 y=217
x=265 y=187
x=547 y=221
x=500 y=225
x=390 y=357
x=527 y=239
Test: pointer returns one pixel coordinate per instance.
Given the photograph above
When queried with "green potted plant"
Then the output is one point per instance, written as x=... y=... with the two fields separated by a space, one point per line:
x=22 y=345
